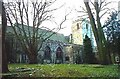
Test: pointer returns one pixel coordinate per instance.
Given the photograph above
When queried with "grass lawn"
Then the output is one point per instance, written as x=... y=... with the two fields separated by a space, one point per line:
x=62 y=70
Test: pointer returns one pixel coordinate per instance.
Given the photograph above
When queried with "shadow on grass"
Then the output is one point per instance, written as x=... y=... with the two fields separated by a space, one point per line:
x=6 y=77
x=15 y=73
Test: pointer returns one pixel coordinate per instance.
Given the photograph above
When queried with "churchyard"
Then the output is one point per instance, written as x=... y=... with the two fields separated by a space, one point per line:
x=62 y=71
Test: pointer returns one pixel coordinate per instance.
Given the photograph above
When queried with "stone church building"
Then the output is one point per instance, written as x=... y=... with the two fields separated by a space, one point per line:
x=57 y=49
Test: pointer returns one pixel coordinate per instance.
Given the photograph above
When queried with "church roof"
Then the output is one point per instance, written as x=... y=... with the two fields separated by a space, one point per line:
x=44 y=33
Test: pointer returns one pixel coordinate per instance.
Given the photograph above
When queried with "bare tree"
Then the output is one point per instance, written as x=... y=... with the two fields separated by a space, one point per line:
x=95 y=21
x=23 y=14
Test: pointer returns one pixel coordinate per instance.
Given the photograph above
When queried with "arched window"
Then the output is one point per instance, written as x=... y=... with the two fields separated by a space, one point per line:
x=47 y=53
x=59 y=53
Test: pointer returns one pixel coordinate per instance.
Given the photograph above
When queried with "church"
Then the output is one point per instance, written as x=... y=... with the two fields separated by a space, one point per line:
x=57 y=49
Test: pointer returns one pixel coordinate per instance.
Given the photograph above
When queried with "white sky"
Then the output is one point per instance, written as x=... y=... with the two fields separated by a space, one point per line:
x=72 y=5
x=68 y=6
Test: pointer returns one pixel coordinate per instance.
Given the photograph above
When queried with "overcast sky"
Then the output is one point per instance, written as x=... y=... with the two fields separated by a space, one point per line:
x=75 y=4
x=70 y=6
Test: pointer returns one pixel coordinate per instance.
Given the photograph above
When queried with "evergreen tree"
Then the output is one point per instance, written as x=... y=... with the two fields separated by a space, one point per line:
x=88 y=56
x=112 y=30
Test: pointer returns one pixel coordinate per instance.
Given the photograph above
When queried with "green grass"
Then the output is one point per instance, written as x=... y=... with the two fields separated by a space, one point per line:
x=63 y=70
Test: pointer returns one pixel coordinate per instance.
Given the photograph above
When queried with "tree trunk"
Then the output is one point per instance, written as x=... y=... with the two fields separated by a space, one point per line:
x=4 y=53
x=101 y=36
x=98 y=33
x=32 y=55
x=4 y=60
x=32 y=58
